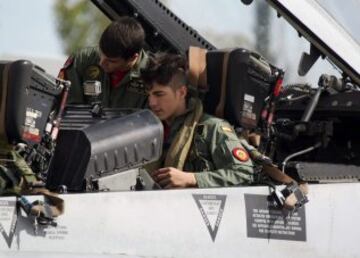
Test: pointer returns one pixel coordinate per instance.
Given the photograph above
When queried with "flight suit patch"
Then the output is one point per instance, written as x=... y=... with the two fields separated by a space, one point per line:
x=227 y=129
x=240 y=154
x=93 y=72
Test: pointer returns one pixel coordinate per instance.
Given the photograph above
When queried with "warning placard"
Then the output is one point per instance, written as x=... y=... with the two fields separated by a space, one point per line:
x=266 y=221
x=211 y=207
x=8 y=219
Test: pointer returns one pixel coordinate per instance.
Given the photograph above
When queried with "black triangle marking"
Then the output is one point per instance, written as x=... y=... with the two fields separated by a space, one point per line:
x=9 y=238
x=211 y=198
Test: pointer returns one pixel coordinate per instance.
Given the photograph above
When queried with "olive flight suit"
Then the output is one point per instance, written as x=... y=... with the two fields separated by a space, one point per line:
x=216 y=155
x=84 y=65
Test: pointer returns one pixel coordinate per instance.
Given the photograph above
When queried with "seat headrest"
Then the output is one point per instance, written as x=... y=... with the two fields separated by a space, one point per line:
x=197 y=67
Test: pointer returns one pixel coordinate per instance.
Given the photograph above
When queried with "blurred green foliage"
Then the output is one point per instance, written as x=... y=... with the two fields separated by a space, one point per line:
x=79 y=23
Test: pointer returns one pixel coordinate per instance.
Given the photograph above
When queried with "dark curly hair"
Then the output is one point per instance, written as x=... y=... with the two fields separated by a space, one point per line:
x=165 y=69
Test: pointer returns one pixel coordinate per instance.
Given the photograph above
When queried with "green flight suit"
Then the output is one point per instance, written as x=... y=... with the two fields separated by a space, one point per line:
x=214 y=153
x=84 y=65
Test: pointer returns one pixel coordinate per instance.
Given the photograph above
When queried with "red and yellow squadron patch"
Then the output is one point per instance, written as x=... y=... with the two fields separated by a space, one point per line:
x=241 y=154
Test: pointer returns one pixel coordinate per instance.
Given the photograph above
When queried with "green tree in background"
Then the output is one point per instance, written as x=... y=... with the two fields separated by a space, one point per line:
x=79 y=23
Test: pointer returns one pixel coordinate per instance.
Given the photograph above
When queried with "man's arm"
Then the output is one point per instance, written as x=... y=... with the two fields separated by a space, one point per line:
x=74 y=70
x=170 y=177
x=232 y=163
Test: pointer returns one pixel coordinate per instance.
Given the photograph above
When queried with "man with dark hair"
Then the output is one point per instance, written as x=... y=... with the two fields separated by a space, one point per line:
x=116 y=64
x=199 y=150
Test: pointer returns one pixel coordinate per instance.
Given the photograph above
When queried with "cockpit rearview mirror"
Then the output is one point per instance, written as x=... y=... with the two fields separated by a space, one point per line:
x=308 y=60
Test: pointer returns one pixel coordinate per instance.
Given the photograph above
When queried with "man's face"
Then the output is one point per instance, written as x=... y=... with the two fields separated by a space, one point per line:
x=165 y=102
x=114 y=64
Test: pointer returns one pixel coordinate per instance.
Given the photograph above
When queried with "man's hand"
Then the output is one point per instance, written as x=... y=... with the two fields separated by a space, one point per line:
x=173 y=178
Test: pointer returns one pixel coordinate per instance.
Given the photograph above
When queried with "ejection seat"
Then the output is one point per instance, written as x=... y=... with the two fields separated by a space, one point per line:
x=236 y=83
x=27 y=97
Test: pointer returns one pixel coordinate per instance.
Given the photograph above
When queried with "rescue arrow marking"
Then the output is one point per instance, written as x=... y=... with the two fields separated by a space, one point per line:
x=8 y=212
x=211 y=207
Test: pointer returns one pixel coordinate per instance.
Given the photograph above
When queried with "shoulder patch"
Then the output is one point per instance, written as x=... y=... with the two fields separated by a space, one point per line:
x=68 y=62
x=240 y=154
x=227 y=129
x=93 y=72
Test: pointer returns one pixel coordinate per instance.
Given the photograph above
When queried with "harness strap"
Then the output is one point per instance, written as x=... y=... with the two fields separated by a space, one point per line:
x=277 y=175
x=180 y=147
x=219 y=111
x=56 y=204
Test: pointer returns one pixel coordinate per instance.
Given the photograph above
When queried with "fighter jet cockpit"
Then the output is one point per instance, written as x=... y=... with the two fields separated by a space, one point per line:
x=285 y=75
x=304 y=128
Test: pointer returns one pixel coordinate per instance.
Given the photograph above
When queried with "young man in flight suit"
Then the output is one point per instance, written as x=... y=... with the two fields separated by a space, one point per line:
x=199 y=150
x=116 y=64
